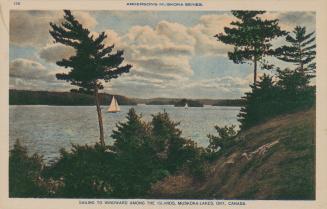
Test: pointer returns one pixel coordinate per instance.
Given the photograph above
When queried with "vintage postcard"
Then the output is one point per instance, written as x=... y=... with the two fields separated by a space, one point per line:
x=163 y=104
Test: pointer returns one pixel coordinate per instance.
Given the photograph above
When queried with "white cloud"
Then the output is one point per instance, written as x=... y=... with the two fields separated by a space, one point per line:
x=164 y=51
x=288 y=20
x=85 y=18
x=175 y=32
x=31 y=75
x=163 y=67
x=160 y=52
x=210 y=25
x=226 y=82
x=223 y=87
x=29 y=69
x=155 y=53
x=56 y=52
x=112 y=38
x=31 y=28
x=298 y=18
x=160 y=55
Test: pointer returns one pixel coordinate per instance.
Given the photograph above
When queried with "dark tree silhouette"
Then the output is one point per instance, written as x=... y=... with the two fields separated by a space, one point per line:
x=24 y=173
x=224 y=140
x=261 y=103
x=301 y=51
x=137 y=165
x=296 y=93
x=290 y=92
x=251 y=36
x=92 y=62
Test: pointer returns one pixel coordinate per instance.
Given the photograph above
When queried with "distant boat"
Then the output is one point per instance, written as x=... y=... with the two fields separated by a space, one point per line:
x=186 y=106
x=114 y=107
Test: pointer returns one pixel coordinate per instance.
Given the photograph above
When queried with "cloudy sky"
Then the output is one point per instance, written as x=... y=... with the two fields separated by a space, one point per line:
x=174 y=54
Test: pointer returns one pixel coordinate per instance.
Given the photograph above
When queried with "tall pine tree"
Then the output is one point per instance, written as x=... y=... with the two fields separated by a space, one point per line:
x=92 y=62
x=251 y=36
x=301 y=50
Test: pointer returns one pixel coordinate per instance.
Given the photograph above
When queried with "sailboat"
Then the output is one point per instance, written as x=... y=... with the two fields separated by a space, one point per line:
x=186 y=106
x=114 y=107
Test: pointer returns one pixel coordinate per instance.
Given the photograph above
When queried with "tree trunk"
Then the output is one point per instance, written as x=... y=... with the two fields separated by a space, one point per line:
x=255 y=72
x=99 y=116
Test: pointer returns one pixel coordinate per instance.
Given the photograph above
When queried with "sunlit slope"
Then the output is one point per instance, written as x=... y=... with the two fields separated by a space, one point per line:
x=274 y=160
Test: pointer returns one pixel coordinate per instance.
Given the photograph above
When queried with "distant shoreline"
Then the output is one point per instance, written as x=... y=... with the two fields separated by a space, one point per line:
x=27 y=97
x=11 y=105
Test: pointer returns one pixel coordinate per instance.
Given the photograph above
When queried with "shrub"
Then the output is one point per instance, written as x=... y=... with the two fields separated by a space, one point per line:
x=136 y=161
x=295 y=91
x=196 y=162
x=85 y=171
x=260 y=104
x=268 y=98
x=148 y=152
x=167 y=141
x=221 y=143
x=24 y=173
x=141 y=154
x=173 y=150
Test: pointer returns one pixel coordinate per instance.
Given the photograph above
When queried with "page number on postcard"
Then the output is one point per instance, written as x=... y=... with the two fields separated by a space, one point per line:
x=17 y=3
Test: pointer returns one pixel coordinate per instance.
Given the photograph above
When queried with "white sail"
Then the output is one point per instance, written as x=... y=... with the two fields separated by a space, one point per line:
x=186 y=106
x=114 y=107
x=117 y=106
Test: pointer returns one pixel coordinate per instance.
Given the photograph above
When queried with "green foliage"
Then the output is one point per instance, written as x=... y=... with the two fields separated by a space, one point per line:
x=141 y=154
x=136 y=162
x=229 y=102
x=85 y=171
x=132 y=134
x=251 y=37
x=168 y=141
x=292 y=91
x=92 y=60
x=24 y=173
x=224 y=139
x=221 y=143
x=173 y=150
x=296 y=93
x=301 y=50
x=196 y=163
x=267 y=99
x=261 y=103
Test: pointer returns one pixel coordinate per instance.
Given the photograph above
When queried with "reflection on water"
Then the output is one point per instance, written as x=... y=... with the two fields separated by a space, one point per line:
x=46 y=129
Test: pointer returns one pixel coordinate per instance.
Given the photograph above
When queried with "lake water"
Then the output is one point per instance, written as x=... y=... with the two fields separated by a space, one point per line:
x=46 y=129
